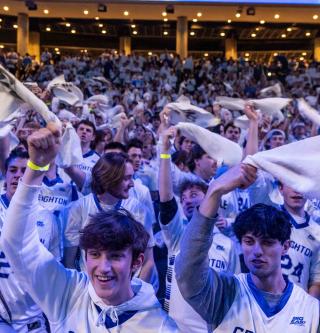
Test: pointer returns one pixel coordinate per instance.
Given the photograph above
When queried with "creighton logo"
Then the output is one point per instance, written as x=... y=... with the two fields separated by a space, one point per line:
x=297 y=321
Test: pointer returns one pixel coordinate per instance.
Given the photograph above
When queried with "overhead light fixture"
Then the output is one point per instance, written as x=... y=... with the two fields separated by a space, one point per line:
x=150 y=53
x=15 y=26
x=251 y=11
x=68 y=25
x=222 y=34
x=1 y=46
x=269 y=74
x=229 y=21
x=135 y=32
x=165 y=33
x=104 y=31
x=276 y=16
x=206 y=54
x=194 y=20
x=56 y=49
x=46 y=11
x=126 y=13
x=192 y=33
x=5 y=8
x=253 y=35
x=31 y=5
x=102 y=8
x=283 y=36
x=48 y=29
x=165 y=20
x=275 y=54
x=86 y=12
x=238 y=12
x=257 y=29
x=170 y=9
x=289 y=29
x=262 y=22
x=133 y=25
x=164 y=14
x=247 y=55
x=301 y=58
x=308 y=34
x=100 y=25
x=304 y=53
x=73 y=31
x=199 y=14
x=97 y=18
x=315 y=16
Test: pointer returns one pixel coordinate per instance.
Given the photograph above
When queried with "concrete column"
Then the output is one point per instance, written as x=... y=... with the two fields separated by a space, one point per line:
x=231 y=48
x=34 y=44
x=316 y=50
x=125 y=45
x=182 y=37
x=23 y=33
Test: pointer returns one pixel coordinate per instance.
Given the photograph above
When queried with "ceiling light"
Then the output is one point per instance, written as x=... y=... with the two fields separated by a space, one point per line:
x=246 y=59
x=275 y=54
x=165 y=33
x=315 y=17
x=253 y=35
x=194 y=20
x=104 y=31
x=257 y=29
x=73 y=31
x=269 y=74
x=68 y=25
x=86 y=12
x=206 y=54
x=0 y=19
x=229 y=21
x=164 y=13
x=135 y=32
x=126 y=13
x=100 y=25
x=199 y=14
x=46 y=11
x=15 y=26
x=238 y=15
x=308 y=34
x=262 y=22
x=48 y=29
x=58 y=52
x=56 y=49
x=276 y=16
x=150 y=53
x=222 y=34
x=289 y=29
x=165 y=19
x=1 y=46
x=301 y=58
x=133 y=25
x=247 y=54
x=5 y=8
x=283 y=36
x=97 y=18
x=304 y=53
x=192 y=33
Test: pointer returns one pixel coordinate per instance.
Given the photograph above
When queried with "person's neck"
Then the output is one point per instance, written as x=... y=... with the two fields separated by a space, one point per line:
x=85 y=147
x=107 y=198
x=274 y=284
x=298 y=211
x=202 y=175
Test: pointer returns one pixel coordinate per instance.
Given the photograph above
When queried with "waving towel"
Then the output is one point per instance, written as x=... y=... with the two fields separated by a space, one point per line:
x=308 y=112
x=215 y=145
x=296 y=165
x=16 y=92
x=183 y=111
x=271 y=106
x=276 y=89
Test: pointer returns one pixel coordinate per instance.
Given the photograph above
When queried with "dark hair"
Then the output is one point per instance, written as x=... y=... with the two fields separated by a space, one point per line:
x=108 y=172
x=188 y=184
x=99 y=136
x=181 y=139
x=115 y=145
x=196 y=153
x=15 y=153
x=88 y=123
x=231 y=124
x=263 y=220
x=114 y=230
x=180 y=156
x=134 y=143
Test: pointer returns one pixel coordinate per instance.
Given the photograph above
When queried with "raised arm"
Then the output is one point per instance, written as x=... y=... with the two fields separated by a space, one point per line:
x=252 y=138
x=211 y=294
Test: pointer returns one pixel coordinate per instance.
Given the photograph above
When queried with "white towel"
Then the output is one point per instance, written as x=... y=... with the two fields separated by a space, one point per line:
x=276 y=89
x=296 y=165
x=308 y=112
x=70 y=152
x=271 y=106
x=215 y=145
x=13 y=140
x=14 y=89
x=183 y=111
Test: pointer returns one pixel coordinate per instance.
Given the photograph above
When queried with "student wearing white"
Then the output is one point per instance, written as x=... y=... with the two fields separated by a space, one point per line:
x=221 y=254
x=260 y=301
x=18 y=311
x=103 y=300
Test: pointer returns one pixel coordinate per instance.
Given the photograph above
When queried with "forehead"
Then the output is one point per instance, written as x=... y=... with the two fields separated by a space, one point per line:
x=84 y=126
x=192 y=189
x=134 y=150
x=18 y=162
x=277 y=137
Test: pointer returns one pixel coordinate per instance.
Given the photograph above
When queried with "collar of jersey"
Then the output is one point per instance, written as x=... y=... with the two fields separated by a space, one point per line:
x=89 y=153
x=293 y=221
x=5 y=200
x=97 y=202
x=52 y=182
x=270 y=311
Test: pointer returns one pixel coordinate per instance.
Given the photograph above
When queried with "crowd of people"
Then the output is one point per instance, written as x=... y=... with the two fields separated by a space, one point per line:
x=159 y=194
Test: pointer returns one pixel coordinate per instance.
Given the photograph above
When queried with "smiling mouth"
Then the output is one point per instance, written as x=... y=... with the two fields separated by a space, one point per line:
x=103 y=278
x=297 y=197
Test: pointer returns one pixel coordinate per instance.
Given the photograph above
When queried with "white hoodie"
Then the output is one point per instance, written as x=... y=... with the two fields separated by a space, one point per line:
x=67 y=296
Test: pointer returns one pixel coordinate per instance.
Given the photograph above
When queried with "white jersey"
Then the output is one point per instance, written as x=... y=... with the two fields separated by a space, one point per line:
x=296 y=312
x=301 y=264
x=79 y=211
x=89 y=160
x=23 y=309
x=71 y=303
x=222 y=258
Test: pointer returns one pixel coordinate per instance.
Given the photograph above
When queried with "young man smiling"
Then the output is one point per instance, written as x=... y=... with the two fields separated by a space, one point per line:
x=105 y=299
x=260 y=301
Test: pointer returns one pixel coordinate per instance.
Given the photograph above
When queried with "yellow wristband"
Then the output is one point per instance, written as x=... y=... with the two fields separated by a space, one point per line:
x=35 y=167
x=165 y=156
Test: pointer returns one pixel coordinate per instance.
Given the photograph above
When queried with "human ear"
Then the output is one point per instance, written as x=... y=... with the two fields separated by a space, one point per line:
x=137 y=263
x=285 y=246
